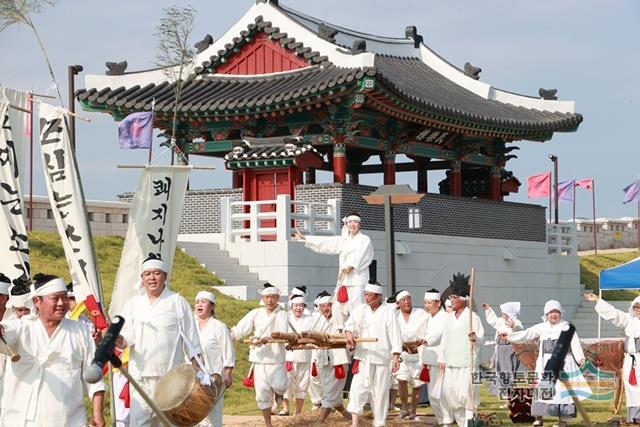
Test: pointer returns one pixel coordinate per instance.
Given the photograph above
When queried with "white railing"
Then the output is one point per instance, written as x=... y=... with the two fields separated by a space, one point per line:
x=562 y=239
x=276 y=219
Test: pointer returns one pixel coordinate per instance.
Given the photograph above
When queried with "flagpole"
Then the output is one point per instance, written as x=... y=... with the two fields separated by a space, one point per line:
x=550 y=191
x=31 y=161
x=153 y=108
x=637 y=225
x=574 y=200
x=595 y=229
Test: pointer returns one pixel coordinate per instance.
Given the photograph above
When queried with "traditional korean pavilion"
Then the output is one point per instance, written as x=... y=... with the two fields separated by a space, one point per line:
x=282 y=94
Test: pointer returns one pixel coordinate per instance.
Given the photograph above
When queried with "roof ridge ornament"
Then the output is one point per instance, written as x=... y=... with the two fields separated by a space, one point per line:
x=327 y=33
x=358 y=46
x=273 y=2
x=471 y=71
x=115 y=68
x=203 y=44
x=411 y=32
x=548 y=94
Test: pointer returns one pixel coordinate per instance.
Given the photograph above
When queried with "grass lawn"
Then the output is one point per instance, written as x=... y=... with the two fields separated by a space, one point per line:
x=591 y=265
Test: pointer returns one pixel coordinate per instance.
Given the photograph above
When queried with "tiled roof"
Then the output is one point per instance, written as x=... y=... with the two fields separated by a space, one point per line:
x=269 y=148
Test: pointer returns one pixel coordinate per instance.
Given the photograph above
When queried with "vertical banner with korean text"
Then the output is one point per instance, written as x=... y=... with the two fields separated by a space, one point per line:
x=154 y=219
x=14 y=262
x=67 y=202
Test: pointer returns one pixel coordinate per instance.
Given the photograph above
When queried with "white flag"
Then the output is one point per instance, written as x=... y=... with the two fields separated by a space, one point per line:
x=154 y=219
x=20 y=124
x=14 y=262
x=67 y=202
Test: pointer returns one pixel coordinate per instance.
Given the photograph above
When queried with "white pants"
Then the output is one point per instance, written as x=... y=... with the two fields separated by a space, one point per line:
x=340 y=311
x=269 y=378
x=214 y=419
x=409 y=371
x=434 y=401
x=298 y=381
x=457 y=388
x=122 y=413
x=141 y=414
x=315 y=388
x=371 y=381
x=331 y=386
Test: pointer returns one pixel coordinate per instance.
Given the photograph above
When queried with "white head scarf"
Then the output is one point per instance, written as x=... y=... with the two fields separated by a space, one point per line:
x=511 y=309
x=152 y=264
x=635 y=301
x=206 y=295
x=51 y=287
x=550 y=306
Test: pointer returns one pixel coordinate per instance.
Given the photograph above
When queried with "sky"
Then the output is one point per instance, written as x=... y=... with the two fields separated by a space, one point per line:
x=587 y=49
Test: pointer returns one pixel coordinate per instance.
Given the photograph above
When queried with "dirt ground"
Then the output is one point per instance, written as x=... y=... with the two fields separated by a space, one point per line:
x=312 y=420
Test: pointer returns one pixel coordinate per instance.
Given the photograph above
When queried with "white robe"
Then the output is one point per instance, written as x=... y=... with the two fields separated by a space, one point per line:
x=217 y=349
x=411 y=329
x=326 y=361
x=430 y=354
x=631 y=326
x=299 y=361
x=46 y=388
x=545 y=331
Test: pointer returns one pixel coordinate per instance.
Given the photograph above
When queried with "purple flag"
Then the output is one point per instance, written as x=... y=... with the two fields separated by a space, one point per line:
x=565 y=190
x=136 y=130
x=631 y=192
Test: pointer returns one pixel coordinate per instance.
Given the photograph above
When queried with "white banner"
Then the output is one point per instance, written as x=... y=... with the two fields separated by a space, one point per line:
x=154 y=219
x=20 y=124
x=14 y=262
x=67 y=202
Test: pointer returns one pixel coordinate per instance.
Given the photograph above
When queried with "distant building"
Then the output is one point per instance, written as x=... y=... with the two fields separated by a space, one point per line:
x=611 y=233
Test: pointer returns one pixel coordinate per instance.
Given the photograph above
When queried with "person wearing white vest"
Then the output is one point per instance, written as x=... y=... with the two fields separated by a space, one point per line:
x=413 y=328
x=436 y=323
x=561 y=404
x=159 y=328
x=217 y=349
x=298 y=362
x=355 y=252
x=268 y=359
x=374 y=362
x=46 y=387
x=460 y=397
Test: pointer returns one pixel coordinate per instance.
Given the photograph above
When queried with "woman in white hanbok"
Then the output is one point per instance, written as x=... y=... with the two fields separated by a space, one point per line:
x=560 y=404
x=630 y=322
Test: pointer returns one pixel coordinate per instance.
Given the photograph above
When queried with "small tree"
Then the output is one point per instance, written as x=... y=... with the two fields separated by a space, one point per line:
x=174 y=56
x=19 y=12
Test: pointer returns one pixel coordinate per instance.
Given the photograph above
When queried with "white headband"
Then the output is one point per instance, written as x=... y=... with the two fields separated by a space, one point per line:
x=206 y=295
x=271 y=290
x=4 y=288
x=402 y=294
x=352 y=218
x=51 y=287
x=153 y=263
x=17 y=301
x=296 y=291
x=376 y=289
x=323 y=300
x=297 y=299
x=431 y=296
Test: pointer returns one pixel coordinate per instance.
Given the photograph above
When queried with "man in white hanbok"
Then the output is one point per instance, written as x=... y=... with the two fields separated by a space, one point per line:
x=561 y=404
x=46 y=388
x=159 y=328
x=268 y=359
x=413 y=328
x=460 y=397
x=356 y=253
x=315 y=386
x=374 y=362
x=436 y=323
x=630 y=322
x=217 y=349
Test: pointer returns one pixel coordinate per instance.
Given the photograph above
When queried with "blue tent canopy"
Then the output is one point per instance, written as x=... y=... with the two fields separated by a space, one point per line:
x=625 y=276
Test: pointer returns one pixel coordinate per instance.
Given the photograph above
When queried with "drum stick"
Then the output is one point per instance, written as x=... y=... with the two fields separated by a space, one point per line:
x=14 y=356
x=163 y=418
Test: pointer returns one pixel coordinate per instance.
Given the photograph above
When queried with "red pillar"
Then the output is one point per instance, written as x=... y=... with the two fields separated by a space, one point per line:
x=389 y=168
x=455 y=178
x=339 y=163
x=495 y=190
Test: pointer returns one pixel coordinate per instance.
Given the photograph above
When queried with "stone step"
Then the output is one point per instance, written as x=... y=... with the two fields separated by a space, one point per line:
x=242 y=275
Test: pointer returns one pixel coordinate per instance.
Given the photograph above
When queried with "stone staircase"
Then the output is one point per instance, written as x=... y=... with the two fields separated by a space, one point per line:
x=239 y=282
x=585 y=320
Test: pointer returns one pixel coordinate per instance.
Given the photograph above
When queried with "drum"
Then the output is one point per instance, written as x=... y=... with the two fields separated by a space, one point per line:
x=181 y=397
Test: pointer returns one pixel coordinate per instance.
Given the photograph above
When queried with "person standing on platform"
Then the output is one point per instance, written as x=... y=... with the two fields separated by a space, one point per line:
x=158 y=325
x=630 y=323
x=561 y=404
x=436 y=323
x=374 y=362
x=217 y=349
x=459 y=394
x=298 y=363
x=268 y=359
x=46 y=388
x=413 y=328
x=332 y=364
x=356 y=253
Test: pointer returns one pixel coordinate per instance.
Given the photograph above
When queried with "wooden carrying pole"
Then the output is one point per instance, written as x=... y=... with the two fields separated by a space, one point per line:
x=471 y=398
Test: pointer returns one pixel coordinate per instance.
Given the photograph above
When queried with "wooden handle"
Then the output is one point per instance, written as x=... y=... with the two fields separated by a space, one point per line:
x=14 y=356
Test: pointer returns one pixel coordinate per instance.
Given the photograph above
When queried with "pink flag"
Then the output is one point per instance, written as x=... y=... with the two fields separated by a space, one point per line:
x=565 y=190
x=539 y=185
x=587 y=183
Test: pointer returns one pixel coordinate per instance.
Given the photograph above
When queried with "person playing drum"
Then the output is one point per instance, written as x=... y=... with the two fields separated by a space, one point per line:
x=217 y=347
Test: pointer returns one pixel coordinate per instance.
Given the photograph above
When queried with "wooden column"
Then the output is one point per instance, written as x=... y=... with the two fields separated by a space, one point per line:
x=236 y=179
x=339 y=163
x=495 y=190
x=389 y=167
x=455 y=178
x=422 y=177
x=310 y=176
x=354 y=177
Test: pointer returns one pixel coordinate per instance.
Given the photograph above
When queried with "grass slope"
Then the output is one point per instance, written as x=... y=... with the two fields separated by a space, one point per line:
x=591 y=265
x=189 y=277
